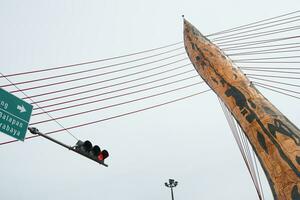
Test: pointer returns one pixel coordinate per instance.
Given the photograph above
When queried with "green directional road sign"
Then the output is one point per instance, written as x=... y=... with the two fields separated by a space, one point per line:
x=14 y=115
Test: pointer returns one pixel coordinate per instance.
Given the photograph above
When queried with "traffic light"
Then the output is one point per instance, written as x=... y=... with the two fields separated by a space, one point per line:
x=93 y=152
x=83 y=147
x=103 y=155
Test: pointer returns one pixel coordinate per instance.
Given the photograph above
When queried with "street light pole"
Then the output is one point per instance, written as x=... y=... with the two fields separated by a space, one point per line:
x=172 y=193
x=172 y=183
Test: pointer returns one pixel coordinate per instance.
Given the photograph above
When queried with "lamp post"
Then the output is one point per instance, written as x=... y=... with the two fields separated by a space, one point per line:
x=172 y=183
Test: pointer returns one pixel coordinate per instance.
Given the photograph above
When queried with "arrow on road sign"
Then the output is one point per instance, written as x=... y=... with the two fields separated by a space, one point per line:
x=21 y=108
x=17 y=115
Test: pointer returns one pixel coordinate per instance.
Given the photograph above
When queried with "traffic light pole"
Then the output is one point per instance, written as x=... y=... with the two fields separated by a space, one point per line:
x=35 y=131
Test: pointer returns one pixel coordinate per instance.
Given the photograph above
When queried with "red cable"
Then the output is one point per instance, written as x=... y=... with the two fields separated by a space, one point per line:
x=109 y=118
x=104 y=99
x=113 y=105
x=118 y=90
x=92 y=76
x=116 y=84
x=89 y=62
x=93 y=69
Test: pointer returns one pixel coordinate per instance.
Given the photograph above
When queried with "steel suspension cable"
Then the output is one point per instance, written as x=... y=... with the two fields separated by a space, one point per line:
x=274 y=90
x=262 y=52
x=113 y=91
x=112 y=97
x=265 y=67
x=234 y=131
x=113 y=105
x=265 y=51
x=127 y=55
x=246 y=146
x=249 y=24
x=258 y=47
x=113 y=117
x=258 y=174
x=271 y=71
x=270 y=62
x=95 y=75
x=255 y=42
x=266 y=58
x=91 y=62
x=238 y=138
x=95 y=69
x=118 y=84
x=253 y=166
x=272 y=86
x=273 y=76
x=272 y=81
x=256 y=29
x=158 y=48
x=250 y=36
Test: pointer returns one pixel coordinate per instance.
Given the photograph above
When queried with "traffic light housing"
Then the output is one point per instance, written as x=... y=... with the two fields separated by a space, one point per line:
x=93 y=152
x=84 y=147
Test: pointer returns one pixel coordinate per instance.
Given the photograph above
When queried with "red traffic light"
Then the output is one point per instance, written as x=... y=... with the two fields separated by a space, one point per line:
x=93 y=152
x=103 y=155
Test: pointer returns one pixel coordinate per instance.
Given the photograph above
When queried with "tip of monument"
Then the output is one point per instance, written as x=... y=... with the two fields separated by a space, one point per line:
x=184 y=20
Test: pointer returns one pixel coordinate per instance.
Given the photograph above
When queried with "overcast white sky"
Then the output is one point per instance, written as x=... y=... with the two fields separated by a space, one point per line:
x=189 y=141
